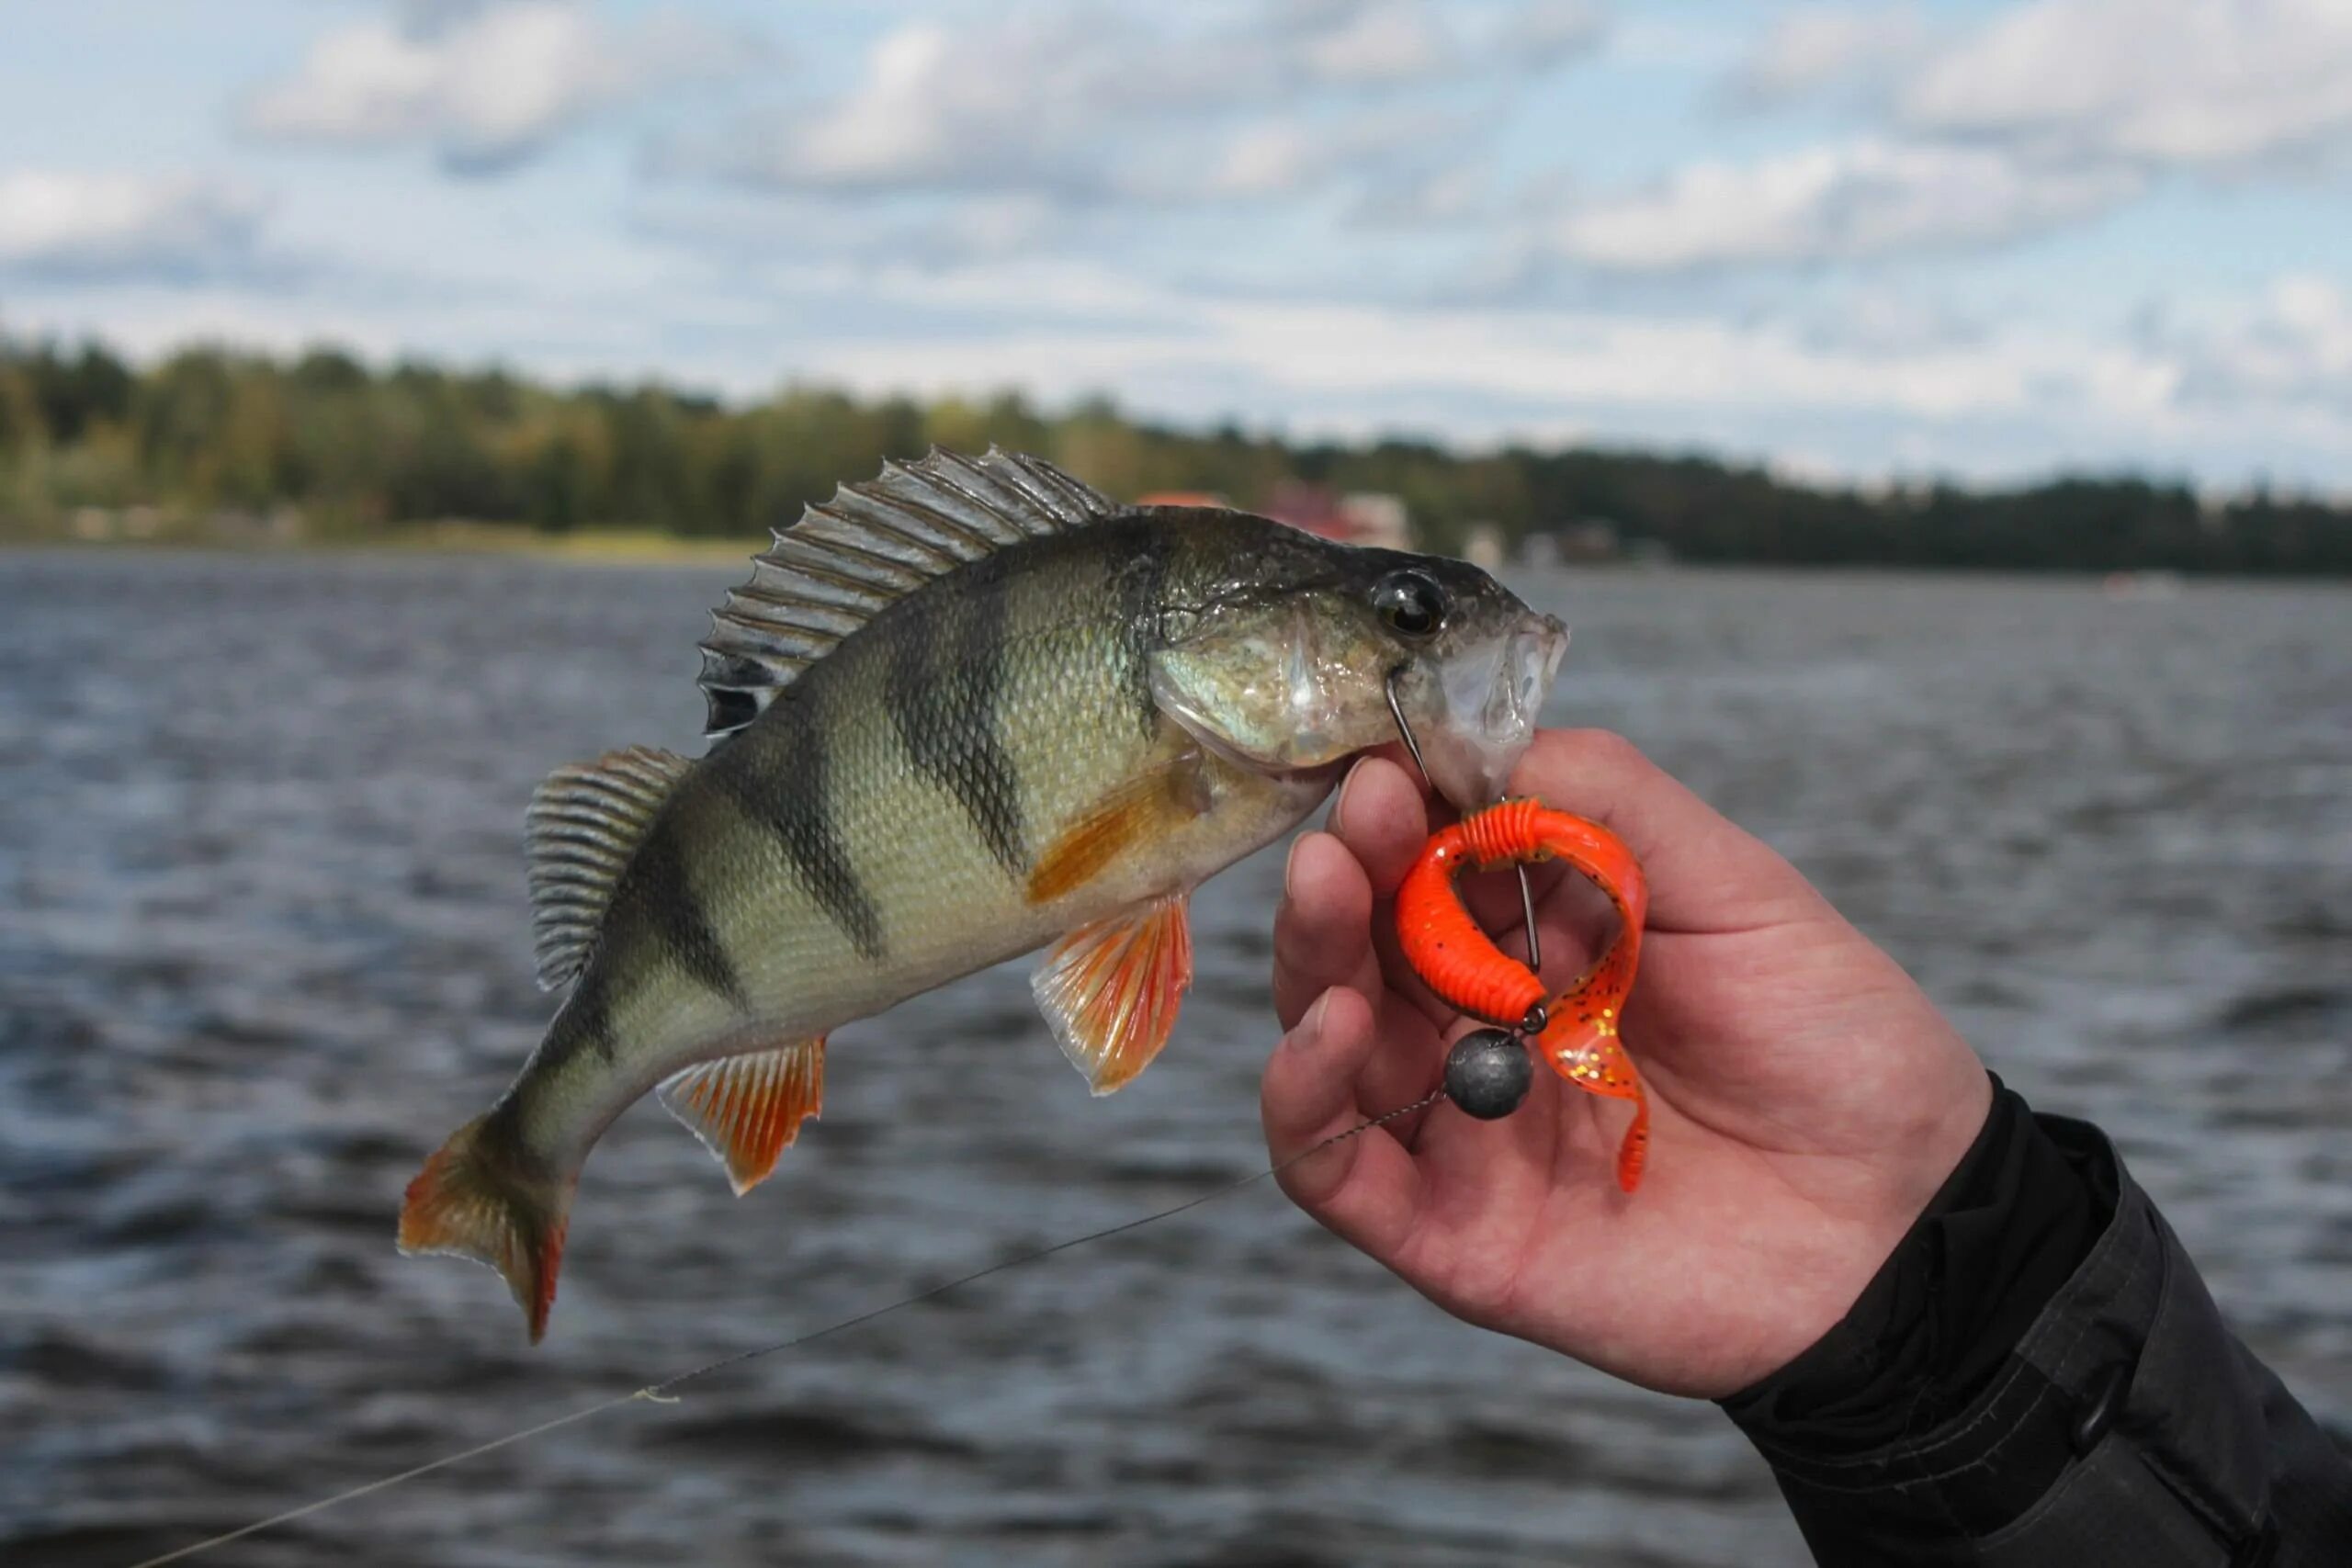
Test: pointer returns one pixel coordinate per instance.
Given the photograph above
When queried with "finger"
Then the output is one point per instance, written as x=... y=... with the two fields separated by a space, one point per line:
x=1704 y=872
x=1393 y=753
x=1375 y=818
x=1323 y=938
x=1362 y=1186
x=1309 y=1088
x=1323 y=927
x=1384 y=818
x=1492 y=896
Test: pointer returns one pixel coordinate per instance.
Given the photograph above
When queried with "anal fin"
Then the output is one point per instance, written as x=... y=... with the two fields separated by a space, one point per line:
x=748 y=1109
x=1110 y=990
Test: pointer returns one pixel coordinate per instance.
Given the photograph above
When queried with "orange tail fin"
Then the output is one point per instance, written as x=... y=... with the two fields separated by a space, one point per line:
x=483 y=1197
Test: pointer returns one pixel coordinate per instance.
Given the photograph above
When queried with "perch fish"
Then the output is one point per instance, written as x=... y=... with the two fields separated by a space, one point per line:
x=964 y=711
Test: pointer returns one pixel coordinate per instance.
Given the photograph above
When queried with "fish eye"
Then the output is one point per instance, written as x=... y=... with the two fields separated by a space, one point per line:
x=1410 y=601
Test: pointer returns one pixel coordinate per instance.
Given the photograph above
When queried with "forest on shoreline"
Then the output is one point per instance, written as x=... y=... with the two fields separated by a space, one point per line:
x=211 y=443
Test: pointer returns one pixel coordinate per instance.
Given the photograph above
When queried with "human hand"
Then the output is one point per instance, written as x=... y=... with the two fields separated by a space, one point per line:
x=1806 y=1099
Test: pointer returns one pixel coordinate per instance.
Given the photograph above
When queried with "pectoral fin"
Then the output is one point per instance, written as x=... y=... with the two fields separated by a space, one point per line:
x=1111 y=989
x=748 y=1109
x=1153 y=802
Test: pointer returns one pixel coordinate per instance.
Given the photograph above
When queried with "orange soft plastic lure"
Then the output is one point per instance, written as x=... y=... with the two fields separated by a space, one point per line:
x=1576 y=1031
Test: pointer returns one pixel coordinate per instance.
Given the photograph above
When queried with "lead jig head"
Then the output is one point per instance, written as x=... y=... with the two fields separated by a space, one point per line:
x=1488 y=1073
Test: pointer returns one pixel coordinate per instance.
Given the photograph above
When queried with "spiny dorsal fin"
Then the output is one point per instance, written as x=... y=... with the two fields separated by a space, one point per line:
x=849 y=558
x=748 y=1109
x=583 y=825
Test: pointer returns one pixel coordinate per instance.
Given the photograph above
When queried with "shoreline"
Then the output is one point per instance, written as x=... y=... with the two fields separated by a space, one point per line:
x=645 y=548
x=648 y=547
x=595 y=546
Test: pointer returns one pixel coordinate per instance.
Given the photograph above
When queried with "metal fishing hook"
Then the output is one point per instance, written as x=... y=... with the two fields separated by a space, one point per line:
x=1413 y=746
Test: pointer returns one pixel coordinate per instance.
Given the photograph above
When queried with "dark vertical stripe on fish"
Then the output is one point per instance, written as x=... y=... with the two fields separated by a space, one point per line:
x=946 y=680
x=798 y=811
x=584 y=1024
x=664 y=896
x=1141 y=580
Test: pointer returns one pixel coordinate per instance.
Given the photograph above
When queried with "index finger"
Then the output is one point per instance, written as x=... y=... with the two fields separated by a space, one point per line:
x=1705 y=873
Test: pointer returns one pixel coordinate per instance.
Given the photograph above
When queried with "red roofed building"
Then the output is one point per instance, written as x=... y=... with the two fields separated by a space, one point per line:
x=1366 y=517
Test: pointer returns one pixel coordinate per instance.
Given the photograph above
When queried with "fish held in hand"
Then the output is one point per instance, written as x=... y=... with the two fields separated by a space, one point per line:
x=964 y=711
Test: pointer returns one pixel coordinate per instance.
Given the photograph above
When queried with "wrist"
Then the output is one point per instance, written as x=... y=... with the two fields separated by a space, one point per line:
x=1926 y=1335
x=1875 y=1206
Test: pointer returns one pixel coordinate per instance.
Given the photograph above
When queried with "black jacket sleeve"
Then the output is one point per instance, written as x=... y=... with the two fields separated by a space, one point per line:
x=2038 y=1376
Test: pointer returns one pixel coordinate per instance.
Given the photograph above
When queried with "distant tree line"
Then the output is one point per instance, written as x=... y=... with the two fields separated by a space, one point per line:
x=360 y=451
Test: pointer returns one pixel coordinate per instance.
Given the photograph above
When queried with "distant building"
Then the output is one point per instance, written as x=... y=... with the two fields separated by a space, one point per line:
x=1483 y=546
x=1587 y=540
x=1366 y=517
x=1590 y=539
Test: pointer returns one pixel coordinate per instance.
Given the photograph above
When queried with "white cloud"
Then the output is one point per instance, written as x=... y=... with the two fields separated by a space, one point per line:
x=1391 y=40
x=2197 y=83
x=1483 y=375
x=2292 y=346
x=486 y=84
x=2052 y=111
x=2006 y=396
x=922 y=114
x=1813 y=49
x=1855 y=201
x=2239 y=385
x=1454 y=193
x=1542 y=33
x=1099 y=102
x=64 y=221
x=1283 y=157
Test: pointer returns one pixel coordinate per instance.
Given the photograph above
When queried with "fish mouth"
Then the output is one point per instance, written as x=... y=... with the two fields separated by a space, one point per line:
x=1489 y=701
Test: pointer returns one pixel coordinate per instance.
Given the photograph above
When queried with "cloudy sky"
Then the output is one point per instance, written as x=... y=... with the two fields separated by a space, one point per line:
x=1980 y=239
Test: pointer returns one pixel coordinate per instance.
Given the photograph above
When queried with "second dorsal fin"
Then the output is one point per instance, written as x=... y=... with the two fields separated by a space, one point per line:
x=849 y=558
x=583 y=825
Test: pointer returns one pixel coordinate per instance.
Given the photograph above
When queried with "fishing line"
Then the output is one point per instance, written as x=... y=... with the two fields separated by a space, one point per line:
x=659 y=1393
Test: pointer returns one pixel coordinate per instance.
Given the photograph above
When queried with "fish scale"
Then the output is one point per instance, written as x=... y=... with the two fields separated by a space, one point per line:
x=964 y=711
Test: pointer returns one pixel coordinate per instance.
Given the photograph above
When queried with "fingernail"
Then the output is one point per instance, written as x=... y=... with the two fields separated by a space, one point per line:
x=1290 y=867
x=1311 y=1026
x=1340 y=806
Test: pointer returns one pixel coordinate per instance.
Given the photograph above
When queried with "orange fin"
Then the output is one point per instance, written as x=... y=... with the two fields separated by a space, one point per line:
x=748 y=1109
x=1599 y=1066
x=1144 y=806
x=483 y=1197
x=1111 y=989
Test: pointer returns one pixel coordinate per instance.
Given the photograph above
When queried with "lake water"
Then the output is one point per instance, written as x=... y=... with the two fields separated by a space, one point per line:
x=263 y=942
